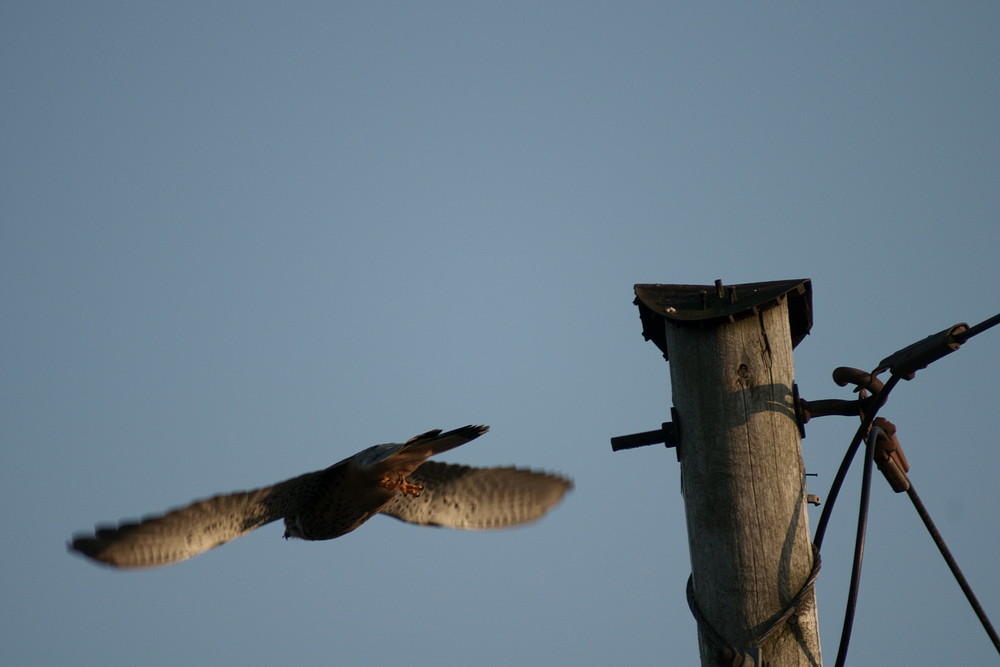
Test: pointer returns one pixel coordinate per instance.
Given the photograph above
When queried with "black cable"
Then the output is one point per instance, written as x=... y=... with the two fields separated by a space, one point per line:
x=953 y=565
x=979 y=328
x=877 y=402
x=859 y=548
x=838 y=481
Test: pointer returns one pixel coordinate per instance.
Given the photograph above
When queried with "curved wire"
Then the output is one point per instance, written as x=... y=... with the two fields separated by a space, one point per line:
x=865 y=428
x=878 y=400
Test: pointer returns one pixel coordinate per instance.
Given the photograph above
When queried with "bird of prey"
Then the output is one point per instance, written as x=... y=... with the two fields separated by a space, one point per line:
x=391 y=479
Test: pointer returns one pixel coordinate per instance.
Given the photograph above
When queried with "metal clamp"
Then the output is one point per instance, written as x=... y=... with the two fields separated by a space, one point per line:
x=889 y=455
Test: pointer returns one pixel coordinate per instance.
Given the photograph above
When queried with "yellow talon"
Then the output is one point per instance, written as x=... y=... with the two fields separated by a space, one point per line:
x=400 y=484
x=411 y=489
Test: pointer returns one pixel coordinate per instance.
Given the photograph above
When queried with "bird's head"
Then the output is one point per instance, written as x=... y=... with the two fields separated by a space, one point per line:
x=292 y=528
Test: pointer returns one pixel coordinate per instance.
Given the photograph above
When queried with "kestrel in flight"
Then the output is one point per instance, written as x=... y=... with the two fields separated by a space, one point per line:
x=392 y=479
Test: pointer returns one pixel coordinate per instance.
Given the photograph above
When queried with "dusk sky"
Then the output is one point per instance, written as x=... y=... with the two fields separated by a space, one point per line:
x=240 y=241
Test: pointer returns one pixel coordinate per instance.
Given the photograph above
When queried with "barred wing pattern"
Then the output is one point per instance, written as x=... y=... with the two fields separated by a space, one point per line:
x=394 y=479
x=189 y=531
x=457 y=496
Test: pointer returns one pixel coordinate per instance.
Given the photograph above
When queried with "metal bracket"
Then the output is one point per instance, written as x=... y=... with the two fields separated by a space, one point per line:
x=806 y=410
x=668 y=434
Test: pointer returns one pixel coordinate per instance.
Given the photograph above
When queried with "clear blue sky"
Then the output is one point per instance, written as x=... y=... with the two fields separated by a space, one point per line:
x=242 y=240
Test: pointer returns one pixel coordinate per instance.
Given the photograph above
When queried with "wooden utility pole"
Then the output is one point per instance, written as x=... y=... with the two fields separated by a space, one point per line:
x=742 y=476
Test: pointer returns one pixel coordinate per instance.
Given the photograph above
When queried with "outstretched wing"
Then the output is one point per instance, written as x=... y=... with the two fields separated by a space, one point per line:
x=457 y=496
x=189 y=531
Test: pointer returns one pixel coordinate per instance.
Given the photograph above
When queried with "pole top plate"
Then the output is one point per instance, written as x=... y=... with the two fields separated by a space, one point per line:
x=713 y=305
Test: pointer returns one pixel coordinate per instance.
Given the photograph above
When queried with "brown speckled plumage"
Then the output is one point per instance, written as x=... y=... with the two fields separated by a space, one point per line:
x=393 y=479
